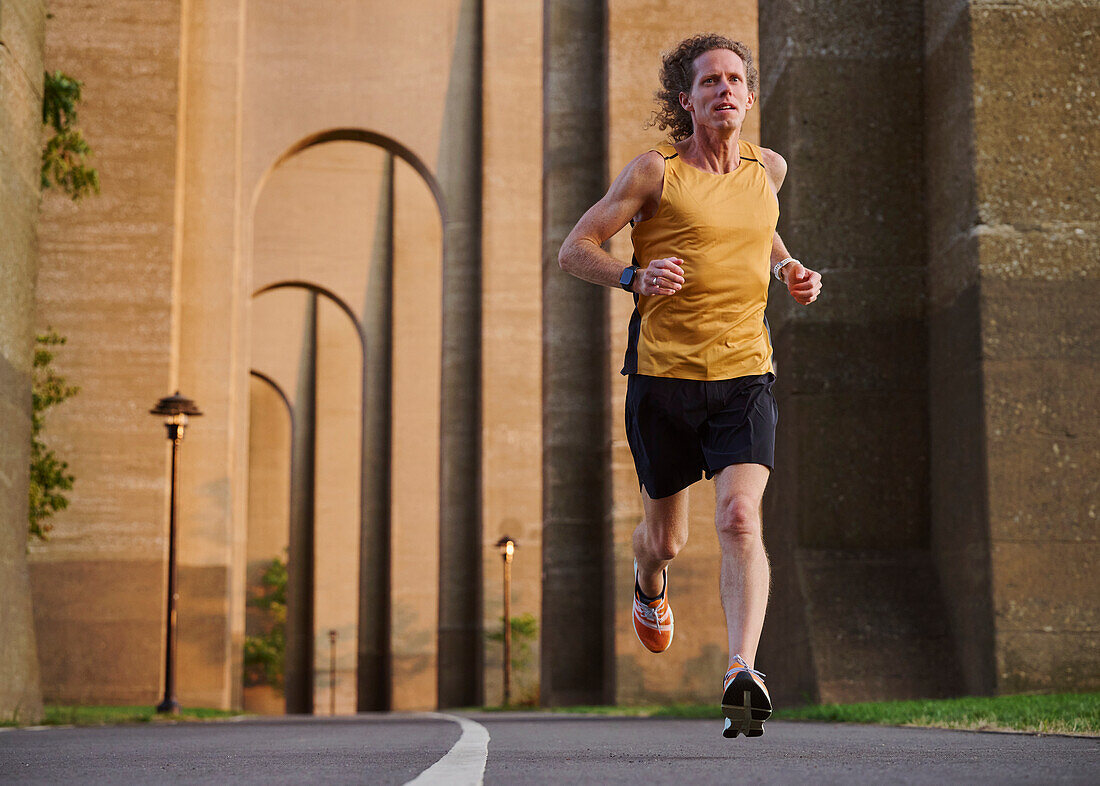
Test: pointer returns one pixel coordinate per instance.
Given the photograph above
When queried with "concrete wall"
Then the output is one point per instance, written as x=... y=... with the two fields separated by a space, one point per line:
x=1013 y=283
x=511 y=335
x=959 y=487
x=958 y=260
x=417 y=449
x=338 y=474
x=856 y=602
x=21 y=54
x=106 y=283
x=1037 y=240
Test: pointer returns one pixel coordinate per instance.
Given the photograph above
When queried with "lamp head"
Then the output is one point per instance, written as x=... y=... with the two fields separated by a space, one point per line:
x=174 y=406
x=176 y=409
x=507 y=547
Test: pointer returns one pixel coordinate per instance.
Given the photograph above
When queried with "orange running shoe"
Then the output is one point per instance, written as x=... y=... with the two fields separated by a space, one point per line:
x=746 y=703
x=653 y=623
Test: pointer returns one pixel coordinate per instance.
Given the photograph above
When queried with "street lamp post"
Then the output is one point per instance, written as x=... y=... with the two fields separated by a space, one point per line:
x=332 y=672
x=175 y=409
x=507 y=548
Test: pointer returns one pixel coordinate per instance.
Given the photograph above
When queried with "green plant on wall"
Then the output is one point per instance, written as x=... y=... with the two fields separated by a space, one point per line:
x=65 y=154
x=265 y=653
x=65 y=167
x=525 y=629
x=49 y=475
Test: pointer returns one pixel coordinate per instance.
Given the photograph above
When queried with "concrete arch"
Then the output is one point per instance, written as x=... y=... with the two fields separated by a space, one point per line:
x=389 y=144
x=278 y=391
x=456 y=196
x=323 y=292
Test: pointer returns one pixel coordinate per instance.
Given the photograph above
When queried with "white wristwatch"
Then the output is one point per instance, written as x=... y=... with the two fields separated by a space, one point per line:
x=779 y=266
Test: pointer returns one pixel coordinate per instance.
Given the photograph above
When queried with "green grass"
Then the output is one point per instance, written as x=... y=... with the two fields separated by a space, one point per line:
x=67 y=715
x=1067 y=713
x=1063 y=713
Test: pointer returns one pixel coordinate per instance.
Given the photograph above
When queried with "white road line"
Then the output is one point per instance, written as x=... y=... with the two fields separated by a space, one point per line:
x=464 y=763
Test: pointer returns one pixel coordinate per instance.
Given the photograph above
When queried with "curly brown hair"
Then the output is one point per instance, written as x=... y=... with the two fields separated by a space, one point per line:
x=678 y=72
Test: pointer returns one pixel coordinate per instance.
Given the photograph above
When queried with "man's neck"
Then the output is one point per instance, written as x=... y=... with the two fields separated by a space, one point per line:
x=713 y=150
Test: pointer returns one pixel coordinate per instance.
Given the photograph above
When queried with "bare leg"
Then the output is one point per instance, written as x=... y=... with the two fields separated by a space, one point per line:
x=746 y=576
x=659 y=537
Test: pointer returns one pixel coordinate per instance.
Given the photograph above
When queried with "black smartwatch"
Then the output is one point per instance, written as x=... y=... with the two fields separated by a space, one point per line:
x=626 y=280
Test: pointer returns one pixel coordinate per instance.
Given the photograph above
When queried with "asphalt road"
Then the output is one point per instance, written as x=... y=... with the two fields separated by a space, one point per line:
x=524 y=748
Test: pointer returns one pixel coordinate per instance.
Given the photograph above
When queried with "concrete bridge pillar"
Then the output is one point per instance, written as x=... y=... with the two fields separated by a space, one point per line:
x=23 y=35
x=576 y=623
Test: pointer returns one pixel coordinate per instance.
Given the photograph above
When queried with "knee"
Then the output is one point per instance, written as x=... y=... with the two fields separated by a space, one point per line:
x=738 y=519
x=665 y=546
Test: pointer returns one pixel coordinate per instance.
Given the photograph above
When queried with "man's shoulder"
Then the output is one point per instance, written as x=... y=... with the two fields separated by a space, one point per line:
x=774 y=164
x=645 y=172
x=651 y=162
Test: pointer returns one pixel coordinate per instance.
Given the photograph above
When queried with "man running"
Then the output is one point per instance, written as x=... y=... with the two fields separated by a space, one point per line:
x=699 y=357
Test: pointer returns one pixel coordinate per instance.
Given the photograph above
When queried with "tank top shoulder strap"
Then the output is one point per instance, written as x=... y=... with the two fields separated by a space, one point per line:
x=667 y=151
x=751 y=152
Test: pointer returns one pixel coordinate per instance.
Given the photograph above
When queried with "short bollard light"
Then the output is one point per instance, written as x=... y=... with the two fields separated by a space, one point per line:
x=175 y=409
x=507 y=548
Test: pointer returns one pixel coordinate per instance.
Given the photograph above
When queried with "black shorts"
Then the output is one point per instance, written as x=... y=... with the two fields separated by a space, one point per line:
x=679 y=429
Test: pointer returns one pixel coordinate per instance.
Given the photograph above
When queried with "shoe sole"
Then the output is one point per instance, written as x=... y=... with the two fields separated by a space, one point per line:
x=745 y=707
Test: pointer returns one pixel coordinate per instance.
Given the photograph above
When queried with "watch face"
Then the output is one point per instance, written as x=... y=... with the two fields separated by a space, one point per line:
x=627 y=278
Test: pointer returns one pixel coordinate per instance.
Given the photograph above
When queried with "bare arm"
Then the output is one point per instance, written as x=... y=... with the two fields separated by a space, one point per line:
x=635 y=193
x=803 y=284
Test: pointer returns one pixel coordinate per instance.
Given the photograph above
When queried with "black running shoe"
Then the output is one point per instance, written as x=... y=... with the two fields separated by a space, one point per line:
x=745 y=701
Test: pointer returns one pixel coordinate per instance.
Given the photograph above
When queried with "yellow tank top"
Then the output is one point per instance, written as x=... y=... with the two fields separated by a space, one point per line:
x=722 y=227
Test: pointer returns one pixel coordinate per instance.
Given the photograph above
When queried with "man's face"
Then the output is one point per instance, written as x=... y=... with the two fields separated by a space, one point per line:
x=720 y=95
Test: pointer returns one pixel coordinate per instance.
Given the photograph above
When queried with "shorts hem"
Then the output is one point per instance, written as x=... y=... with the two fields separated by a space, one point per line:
x=721 y=465
x=676 y=487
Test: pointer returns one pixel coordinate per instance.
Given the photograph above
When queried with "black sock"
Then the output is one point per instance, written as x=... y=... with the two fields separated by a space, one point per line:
x=645 y=598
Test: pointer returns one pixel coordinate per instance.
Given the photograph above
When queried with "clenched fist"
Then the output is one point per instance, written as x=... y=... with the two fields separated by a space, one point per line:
x=660 y=277
x=803 y=284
